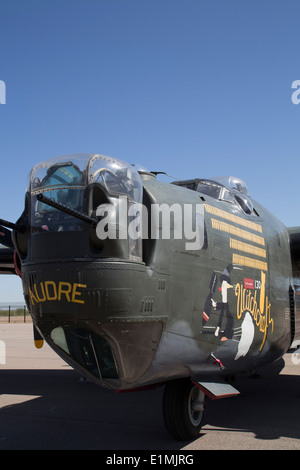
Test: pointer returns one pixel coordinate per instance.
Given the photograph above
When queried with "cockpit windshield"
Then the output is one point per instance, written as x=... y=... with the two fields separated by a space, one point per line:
x=223 y=188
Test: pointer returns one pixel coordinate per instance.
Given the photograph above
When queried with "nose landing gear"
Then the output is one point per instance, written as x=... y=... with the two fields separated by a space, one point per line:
x=183 y=409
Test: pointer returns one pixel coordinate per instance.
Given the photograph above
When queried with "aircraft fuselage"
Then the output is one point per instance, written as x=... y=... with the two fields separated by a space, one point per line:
x=220 y=308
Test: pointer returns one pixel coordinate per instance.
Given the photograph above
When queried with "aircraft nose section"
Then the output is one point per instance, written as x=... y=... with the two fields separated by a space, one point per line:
x=91 y=314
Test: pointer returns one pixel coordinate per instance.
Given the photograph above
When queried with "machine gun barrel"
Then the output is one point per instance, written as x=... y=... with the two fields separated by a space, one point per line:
x=67 y=209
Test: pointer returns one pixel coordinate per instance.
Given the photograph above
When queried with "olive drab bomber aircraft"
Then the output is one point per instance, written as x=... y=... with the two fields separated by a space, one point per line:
x=138 y=283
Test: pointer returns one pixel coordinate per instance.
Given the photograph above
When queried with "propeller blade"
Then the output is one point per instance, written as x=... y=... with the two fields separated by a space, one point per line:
x=5 y=237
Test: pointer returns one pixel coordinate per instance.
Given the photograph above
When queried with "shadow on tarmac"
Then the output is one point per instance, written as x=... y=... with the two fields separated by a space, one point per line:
x=55 y=410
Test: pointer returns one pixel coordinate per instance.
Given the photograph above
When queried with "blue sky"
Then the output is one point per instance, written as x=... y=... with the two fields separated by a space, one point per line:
x=195 y=88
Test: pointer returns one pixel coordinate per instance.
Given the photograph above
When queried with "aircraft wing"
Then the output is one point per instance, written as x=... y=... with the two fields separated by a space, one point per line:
x=6 y=252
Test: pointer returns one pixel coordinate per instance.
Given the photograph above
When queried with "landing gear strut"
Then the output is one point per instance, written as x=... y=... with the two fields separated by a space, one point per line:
x=183 y=409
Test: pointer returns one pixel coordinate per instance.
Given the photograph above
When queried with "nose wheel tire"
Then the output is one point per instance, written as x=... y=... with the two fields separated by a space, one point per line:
x=183 y=409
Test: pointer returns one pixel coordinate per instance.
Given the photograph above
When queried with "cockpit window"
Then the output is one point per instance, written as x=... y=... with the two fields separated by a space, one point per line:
x=214 y=190
x=236 y=192
x=223 y=188
x=245 y=203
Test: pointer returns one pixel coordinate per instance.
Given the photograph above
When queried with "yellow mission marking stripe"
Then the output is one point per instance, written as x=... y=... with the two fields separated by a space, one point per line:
x=232 y=230
x=249 y=262
x=253 y=250
x=233 y=218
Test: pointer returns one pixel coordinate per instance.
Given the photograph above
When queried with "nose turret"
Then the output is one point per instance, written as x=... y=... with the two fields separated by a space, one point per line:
x=81 y=267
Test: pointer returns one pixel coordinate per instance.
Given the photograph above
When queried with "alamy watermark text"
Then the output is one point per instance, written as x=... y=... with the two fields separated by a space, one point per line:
x=2 y=352
x=119 y=221
x=2 y=92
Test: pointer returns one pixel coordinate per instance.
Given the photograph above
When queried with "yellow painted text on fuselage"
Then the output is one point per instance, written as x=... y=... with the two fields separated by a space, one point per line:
x=259 y=309
x=56 y=291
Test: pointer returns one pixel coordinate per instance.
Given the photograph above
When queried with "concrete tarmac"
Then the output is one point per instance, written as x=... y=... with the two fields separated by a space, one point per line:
x=45 y=405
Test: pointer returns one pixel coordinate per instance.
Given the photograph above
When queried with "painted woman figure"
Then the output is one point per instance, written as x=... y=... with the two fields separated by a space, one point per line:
x=224 y=307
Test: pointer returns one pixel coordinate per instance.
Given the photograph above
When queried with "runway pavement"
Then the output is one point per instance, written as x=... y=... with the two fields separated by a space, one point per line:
x=45 y=405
